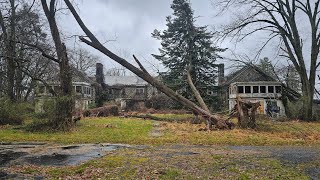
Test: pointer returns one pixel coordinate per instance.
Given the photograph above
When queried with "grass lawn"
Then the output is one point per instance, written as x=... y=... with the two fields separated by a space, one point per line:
x=137 y=131
x=171 y=160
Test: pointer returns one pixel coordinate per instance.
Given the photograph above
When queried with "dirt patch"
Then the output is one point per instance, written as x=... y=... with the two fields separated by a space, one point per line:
x=156 y=130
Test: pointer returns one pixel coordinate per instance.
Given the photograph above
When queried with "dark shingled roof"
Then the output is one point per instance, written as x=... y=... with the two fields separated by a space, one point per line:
x=77 y=76
x=248 y=73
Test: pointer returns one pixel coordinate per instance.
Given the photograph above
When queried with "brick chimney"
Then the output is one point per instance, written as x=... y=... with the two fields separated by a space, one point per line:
x=99 y=73
x=220 y=74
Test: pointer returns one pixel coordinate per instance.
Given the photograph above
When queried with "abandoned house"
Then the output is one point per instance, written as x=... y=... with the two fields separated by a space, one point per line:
x=130 y=91
x=252 y=84
x=82 y=85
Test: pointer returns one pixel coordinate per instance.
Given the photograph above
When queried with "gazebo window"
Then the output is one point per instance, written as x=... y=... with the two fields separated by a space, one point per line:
x=248 y=89
x=263 y=89
x=255 y=89
x=240 y=89
x=270 y=89
x=278 y=89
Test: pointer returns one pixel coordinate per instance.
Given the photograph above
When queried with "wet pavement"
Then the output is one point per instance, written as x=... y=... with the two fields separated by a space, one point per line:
x=52 y=155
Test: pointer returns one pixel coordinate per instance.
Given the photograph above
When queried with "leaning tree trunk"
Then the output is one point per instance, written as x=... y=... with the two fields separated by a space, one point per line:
x=198 y=96
x=217 y=120
x=65 y=103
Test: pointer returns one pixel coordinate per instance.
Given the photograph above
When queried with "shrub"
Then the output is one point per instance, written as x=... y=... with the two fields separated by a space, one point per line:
x=13 y=113
x=294 y=110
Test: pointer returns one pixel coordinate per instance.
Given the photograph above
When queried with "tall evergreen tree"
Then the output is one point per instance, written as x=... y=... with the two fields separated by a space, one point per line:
x=186 y=46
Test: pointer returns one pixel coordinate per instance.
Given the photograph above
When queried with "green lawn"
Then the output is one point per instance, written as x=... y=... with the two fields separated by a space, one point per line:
x=106 y=130
x=137 y=131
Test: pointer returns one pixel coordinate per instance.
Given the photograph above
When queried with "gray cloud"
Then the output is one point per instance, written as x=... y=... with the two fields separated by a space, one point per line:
x=132 y=21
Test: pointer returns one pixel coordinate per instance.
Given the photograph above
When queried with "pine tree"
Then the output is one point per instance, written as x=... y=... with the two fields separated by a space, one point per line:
x=184 y=46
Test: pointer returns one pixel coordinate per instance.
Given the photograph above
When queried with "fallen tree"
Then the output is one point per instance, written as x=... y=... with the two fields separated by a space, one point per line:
x=211 y=119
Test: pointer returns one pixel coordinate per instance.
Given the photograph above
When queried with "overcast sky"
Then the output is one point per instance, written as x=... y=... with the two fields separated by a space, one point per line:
x=131 y=22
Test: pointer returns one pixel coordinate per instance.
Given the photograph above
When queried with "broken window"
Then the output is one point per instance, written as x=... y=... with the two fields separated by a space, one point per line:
x=278 y=89
x=263 y=89
x=248 y=89
x=255 y=89
x=270 y=89
x=240 y=89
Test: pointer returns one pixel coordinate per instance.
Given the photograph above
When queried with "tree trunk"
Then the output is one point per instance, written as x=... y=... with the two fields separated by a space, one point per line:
x=198 y=96
x=65 y=103
x=307 y=98
x=10 y=51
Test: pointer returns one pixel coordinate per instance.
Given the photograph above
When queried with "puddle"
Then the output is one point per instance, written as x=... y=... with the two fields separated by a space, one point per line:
x=7 y=156
x=49 y=155
x=70 y=147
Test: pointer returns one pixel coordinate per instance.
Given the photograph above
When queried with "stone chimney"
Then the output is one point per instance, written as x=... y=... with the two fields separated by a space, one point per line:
x=220 y=74
x=99 y=73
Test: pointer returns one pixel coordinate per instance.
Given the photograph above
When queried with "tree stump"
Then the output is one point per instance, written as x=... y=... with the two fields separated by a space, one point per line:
x=246 y=113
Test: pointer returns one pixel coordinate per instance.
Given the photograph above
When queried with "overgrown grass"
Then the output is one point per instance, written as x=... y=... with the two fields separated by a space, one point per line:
x=138 y=131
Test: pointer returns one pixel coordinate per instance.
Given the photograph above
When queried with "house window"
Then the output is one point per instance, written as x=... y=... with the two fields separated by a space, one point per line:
x=255 y=89
x=263 y=89
x=42 y=89
x=270 y=89
x=78 y=89
x=139 y=91
x=240 y=89
x=248 y=89
x=278 y=89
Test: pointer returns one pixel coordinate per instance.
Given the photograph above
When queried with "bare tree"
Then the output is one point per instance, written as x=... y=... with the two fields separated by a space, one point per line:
x=65 y=103
x=141 y=72
x=281 y=19
x=82 y=59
